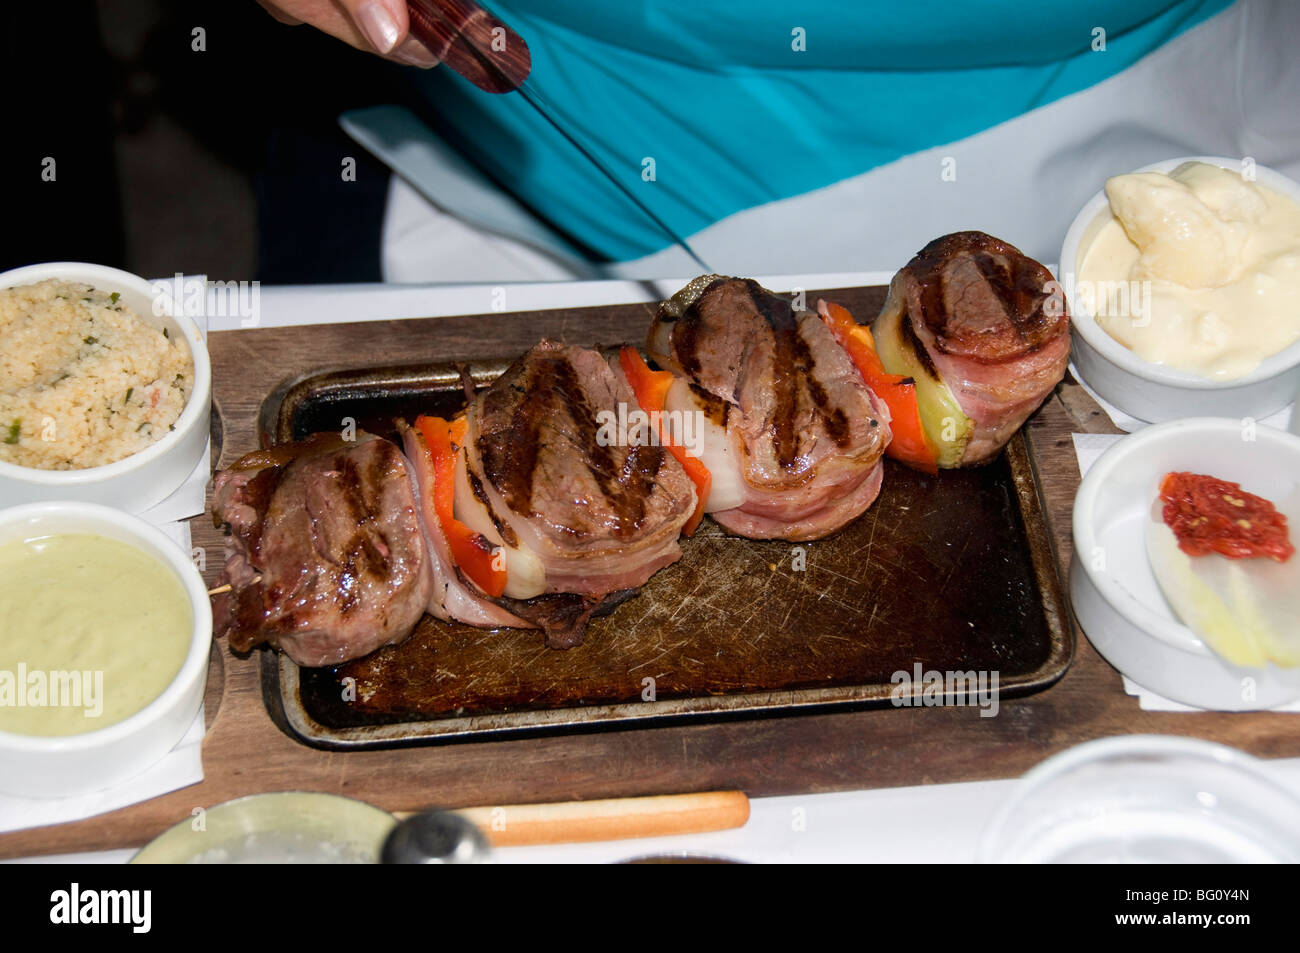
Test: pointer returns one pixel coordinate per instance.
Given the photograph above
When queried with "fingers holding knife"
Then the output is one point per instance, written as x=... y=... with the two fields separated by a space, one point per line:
x=460 y=33
x=376 y=26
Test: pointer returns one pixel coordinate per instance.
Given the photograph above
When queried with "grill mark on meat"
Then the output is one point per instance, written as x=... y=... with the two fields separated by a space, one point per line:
x=1031 y=316
x=997 y=274
x=918 y=349
x=504 y=529
x=793 y=370
x=715 y=408
x=784 y=328
x=510 y=459
x=929 y=263
x=635 y=484
x=686 y=341
x=362 y=552
x=685 y=335
x=833 y=418
x=1022 y=288
x=1017 y=282
x=353 y=498
x=625 y=489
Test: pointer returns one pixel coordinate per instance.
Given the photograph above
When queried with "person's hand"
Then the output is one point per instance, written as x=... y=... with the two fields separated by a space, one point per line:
x=376 y=26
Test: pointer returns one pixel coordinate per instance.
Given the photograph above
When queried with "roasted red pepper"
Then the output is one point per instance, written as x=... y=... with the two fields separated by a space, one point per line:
x=473 y=552
x=1209 y=515
x=651 y=390
x=909 y=444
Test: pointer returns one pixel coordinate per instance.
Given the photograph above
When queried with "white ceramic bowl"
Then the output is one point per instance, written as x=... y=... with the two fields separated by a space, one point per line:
x=79 y=764
x=1151 y=392
x=1146 y=799
x=1294 y=425
x=1113 y=589
x=154 y=473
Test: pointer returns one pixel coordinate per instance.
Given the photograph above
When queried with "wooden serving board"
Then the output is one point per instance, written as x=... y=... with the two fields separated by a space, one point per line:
x=246 y=752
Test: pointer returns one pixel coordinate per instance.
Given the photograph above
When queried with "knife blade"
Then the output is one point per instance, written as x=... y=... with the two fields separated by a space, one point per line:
x=478 y=45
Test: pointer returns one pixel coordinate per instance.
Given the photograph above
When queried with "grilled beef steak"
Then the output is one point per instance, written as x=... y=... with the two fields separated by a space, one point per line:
x=593 y=516
x=988 y=321
x=793 y=438
x=326 y=558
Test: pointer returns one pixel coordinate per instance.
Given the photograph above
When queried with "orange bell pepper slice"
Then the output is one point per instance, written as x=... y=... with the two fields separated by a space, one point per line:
x=473 y=552
x=909 y=444
x=651 y=390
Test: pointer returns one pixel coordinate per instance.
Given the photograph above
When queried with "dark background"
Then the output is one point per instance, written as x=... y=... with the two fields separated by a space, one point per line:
x=224 y=161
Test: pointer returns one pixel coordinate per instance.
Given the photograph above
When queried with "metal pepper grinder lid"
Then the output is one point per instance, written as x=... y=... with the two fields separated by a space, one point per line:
x=435 y=837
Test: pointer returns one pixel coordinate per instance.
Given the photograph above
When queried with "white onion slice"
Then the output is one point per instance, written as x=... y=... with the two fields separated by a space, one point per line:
x=1246 y=610
x=525 y=575
x=689 y=426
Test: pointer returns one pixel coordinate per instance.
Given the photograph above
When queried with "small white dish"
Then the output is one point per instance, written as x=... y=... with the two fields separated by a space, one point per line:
x=1146 y=799
x=148 y=477
x=1294 y=425
x=1116 y=598
x=1151 y=392
x=65 y=765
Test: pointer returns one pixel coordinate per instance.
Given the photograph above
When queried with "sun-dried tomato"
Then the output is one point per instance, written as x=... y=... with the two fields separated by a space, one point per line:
x=1209 y=515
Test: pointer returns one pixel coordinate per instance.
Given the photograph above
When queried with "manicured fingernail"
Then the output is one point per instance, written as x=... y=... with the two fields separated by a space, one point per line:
x=415 y=53
x=378 y=25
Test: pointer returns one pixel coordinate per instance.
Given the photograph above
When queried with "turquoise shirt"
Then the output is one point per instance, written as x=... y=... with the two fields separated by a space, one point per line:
x=708 y=107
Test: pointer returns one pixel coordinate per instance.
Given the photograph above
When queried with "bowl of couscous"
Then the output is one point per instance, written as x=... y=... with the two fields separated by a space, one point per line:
x=105 y=388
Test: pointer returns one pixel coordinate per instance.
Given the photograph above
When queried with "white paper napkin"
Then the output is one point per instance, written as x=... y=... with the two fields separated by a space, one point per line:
x=182 y=767
x=1087 y=448
x=188 y=499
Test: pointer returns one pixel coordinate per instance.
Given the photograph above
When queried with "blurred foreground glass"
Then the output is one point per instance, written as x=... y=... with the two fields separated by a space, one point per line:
x=1146 y=799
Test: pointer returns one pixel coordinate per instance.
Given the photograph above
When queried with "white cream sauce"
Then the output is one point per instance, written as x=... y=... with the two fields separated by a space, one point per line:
x=91 y=631
x=1198 y=270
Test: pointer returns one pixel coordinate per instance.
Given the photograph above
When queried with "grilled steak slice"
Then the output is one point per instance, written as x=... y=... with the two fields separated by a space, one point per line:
x=599 y=509
x=797 y=437
x=326 y=558
x=991 y=323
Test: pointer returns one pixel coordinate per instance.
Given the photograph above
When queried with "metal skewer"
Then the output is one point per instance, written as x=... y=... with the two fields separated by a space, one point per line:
x=479 y=46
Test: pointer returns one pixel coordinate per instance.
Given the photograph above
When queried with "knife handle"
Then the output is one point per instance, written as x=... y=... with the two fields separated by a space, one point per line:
x=574 y=822
x=471 y=41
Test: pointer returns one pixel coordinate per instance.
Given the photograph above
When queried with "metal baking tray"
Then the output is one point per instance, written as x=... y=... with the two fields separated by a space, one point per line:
x=953 y=574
